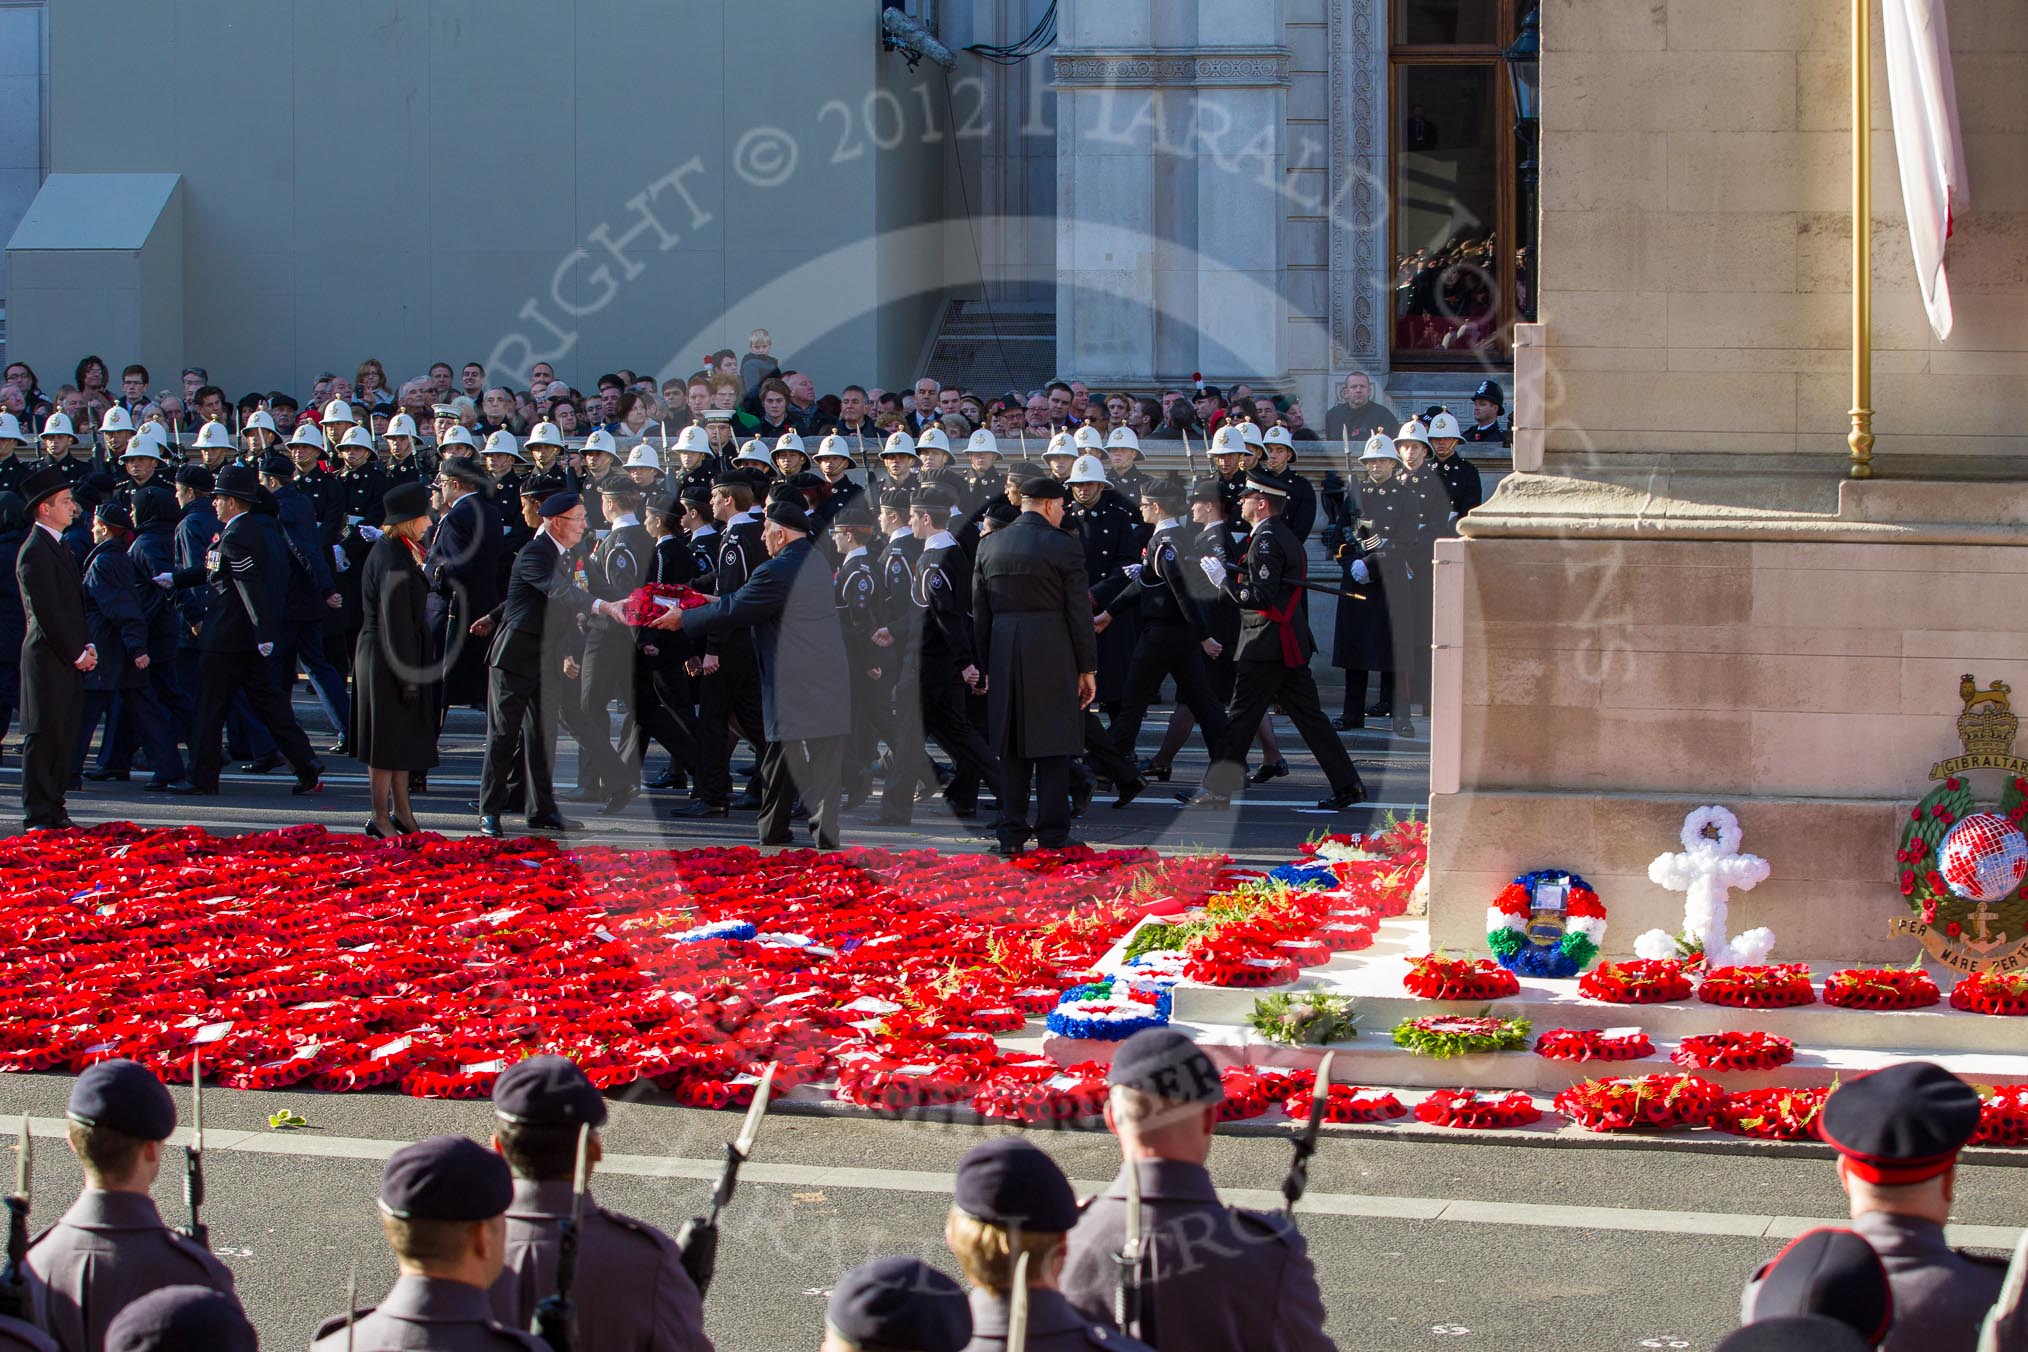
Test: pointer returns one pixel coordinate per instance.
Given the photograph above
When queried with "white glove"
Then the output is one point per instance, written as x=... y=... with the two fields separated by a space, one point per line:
x=165 y=580
x=369 y=533
x=1132 y=570
x=265 y=649
x=1360 y=573
x=1214 y=569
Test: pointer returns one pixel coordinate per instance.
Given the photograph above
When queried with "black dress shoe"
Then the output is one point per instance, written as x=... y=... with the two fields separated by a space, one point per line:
x=194 y=790
x=490 y=826
x=160 y=785
x=262 y=765
x=1380 y=708
x=1006 y=849
x=1129 y=792
x=311 y=781
x=114 y=776
x=1155 y=770
x=1203 y=798
x=554 y=823
x=586 y=793
x=1270 y=770
x=747 y=802
x=697 y=807
x=668 y=779
x=617 y=804
x=1403 y=728
x=1343 y=799
x=1348 y=723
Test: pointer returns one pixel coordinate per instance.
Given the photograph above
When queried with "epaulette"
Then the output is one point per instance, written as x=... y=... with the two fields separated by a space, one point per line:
x=337 y=1323
x=1267 y=1224
x=654 y=1235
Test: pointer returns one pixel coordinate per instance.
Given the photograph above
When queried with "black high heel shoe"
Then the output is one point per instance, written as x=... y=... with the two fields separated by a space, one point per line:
x=373 y=829
x=407 y=828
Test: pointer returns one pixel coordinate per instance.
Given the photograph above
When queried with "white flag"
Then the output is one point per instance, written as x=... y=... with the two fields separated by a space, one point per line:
x=1924 y=99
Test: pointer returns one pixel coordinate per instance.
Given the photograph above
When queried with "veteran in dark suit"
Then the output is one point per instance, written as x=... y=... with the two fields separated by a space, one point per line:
x=631 y=1290
x=1211 y=1276
x=1031 y=609
x=56 y=653
x=799 y=644
x=111 y=1248
x=443 y=1205
x=537 y=632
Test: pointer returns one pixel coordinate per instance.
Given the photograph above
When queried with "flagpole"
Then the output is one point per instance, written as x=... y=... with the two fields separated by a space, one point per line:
x=1860 y=438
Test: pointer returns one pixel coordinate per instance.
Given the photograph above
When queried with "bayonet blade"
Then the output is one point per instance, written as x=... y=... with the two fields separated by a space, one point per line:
x=351 y=1303
x=1320 y=1098
x=756 y=1110
x=197 y=1101
x=1131 y=1248
x=580 y=1176
x=1017 y=1308
x=24 y=1163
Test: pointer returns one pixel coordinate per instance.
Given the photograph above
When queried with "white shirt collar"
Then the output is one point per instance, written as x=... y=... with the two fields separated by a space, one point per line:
x=54 y=534
x=899 y=532
x=853 y=555
x=943 y=539
x=1166 y=522
x=554 y=541
x=626 y=519
x=708 y=528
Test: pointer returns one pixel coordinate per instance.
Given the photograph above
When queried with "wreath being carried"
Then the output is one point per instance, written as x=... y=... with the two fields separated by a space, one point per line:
x=1547 y=923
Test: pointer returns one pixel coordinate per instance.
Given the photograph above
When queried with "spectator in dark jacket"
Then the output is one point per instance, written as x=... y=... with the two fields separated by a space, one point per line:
x=1359 y=416
x=310 y=594
x=153 y=552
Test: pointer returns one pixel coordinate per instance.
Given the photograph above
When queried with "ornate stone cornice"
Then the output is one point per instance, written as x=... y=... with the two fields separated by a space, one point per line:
x=1248 y=67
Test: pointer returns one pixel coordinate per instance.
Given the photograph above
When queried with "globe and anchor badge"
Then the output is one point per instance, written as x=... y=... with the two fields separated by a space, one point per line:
x=1962 y=869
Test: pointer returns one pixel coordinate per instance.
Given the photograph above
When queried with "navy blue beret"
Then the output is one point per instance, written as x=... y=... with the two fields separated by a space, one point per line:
x=790 y=515
x=1901 y=1124
x=1165 y=1063
x=182 y=1319
x=125 y=1096
x=548 y=1091
x=556 y=504
x=1794 y=1333
x=1042 y=489
x=1006 y=1181
x=278 y=466
x=445 y=1178
x=195 y=476
x=1830 y=1272
x=901 y=1303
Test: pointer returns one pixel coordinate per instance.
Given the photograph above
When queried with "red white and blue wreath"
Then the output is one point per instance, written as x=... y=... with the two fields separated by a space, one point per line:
x=1548 y=923
x=1107 y=1011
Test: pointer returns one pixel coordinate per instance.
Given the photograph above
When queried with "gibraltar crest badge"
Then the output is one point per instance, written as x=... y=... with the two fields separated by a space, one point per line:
x=1963 y=870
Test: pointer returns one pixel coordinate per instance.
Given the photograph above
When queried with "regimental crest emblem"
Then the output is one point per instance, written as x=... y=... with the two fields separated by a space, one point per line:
x=1963 y=871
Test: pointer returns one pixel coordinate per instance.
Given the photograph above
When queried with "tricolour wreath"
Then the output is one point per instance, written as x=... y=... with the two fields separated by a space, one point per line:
x=1524 y=936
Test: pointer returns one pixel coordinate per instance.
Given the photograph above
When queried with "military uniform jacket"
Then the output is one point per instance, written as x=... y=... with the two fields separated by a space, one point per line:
x=1273 y=626
x=424 y=1313
x=1220 y=611
x=1031 y=619
x=196 y=531
x=1217 y=1278
x=1499 y=434
x=327 y=503
x=309 y=555
x=13 y=470
x=979 y=490
x=843 y=492
x=740 y=553
x=1431 y=508
x=854 y=588
x=943 y=592
x=1461 y=481
x=1054 y=1325
x=1301 y=509
x=631 y=1292
x=894 y=594
x=538 y=620
x=110 y=1249
x=241 y=568
x=1940 y=1296
x=1229 y=491
x=74 y=466
x=621 y=562
x=703 y=546
x=1163 y=593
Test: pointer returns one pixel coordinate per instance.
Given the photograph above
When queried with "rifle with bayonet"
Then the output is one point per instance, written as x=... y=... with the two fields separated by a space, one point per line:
x=1306 y=1144
x=697 y=1242
x=14 y=1302
x=1017 y=1307
x=193 y=1156
x=556 y=1315
x=1133 y=1304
